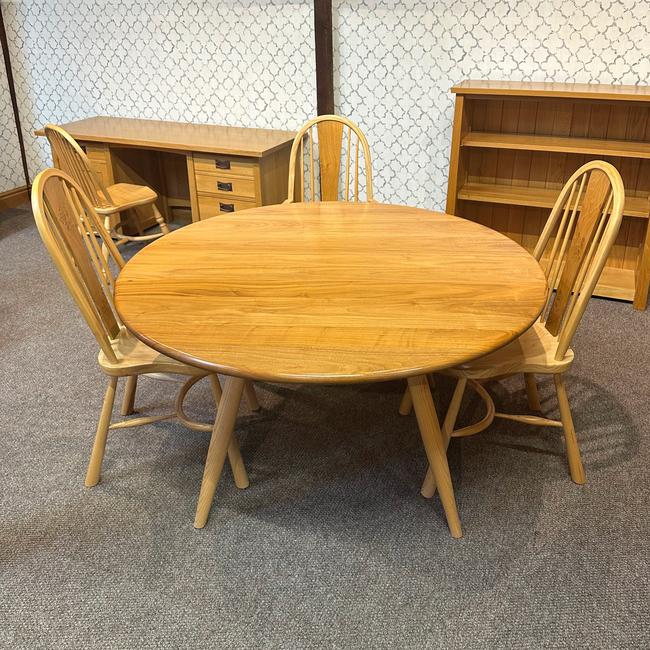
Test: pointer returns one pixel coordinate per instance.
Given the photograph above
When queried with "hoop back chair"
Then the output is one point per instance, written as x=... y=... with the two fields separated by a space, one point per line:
x=70 y=228
x=107 y=201
x=572 y=249
x=335 y=133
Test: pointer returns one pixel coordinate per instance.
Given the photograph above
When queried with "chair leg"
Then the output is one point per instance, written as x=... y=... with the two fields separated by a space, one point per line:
x=407 y=402
x=531 y=390
x=234 y=453
x=434 y=445
x=128 y=400
x=164 y=228
x=219 y=443
x=572 y=450
x=428 y=488
x=251 y=396
x=107 y=226
x=97 y=454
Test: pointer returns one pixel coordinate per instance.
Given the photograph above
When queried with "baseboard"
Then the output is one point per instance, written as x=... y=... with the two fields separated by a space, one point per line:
x=14 y=197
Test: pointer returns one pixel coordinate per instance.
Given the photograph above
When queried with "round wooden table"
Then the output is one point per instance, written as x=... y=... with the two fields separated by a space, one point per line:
x=330 y=293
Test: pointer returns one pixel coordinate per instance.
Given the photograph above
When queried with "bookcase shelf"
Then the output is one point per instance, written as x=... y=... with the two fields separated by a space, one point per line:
x=537 y=197
x=514 y=144
x=526 y=142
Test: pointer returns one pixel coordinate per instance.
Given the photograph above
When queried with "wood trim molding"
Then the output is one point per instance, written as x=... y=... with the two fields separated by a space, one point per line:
x=15 y=197
x=12 y=92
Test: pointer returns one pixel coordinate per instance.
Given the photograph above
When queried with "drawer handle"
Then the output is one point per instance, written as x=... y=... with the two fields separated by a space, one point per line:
x=224 y=187
x=226 y=207
x=222 y=164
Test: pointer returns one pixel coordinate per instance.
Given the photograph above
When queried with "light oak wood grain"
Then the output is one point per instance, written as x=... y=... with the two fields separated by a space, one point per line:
x=330 y=292
x=527 y=142
x=338 y=137
x=70 y=228
x=109 y=201
x=536 y=197
x=184 y=163
x=554 y=89
x=642 y=272
x=178 y=136
x=516 y=144
x=573 y=247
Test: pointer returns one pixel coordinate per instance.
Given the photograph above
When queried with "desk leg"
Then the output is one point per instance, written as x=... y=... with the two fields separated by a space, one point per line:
x=436 y=449
x=219 y=442
x=164 y=192
x=191 y=179
x=642 y=279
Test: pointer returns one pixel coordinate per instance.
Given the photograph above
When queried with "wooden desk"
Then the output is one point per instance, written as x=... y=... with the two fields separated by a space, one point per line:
x=198 y=170
x=330 y=292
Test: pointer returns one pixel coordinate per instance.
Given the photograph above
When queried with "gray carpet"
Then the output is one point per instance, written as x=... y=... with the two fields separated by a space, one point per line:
x=331 y=546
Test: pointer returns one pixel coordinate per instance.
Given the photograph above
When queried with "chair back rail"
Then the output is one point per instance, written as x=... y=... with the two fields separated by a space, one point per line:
x=70 y=228
x=72 y=159
x=574 y=245
x=333 y=134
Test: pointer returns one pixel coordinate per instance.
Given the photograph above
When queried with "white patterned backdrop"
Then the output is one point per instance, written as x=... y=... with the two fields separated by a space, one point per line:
x=396 y=61
x=11 y=166
x=251 y=63
x=234 y=62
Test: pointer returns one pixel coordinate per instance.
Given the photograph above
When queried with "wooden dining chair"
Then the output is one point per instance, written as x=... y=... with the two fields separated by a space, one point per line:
x=572 y=249
x=109 y=201
x=336 y=136
x=74 y=235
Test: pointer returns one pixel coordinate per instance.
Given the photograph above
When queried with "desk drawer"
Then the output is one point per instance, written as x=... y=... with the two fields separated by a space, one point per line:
x=224 y=165
x=225 y=185
x=212 y=206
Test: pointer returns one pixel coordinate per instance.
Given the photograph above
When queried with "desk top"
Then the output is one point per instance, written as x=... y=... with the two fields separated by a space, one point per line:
x=554 y=89
x=178 y=136
x=330 y=292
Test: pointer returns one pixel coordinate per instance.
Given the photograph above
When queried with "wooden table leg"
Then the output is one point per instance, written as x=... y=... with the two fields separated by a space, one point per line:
x=428 y=488
x=234 y=453
x=435 y=448
x=219 y=442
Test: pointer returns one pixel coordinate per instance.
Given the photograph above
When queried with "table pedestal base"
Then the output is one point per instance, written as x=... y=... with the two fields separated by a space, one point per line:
x=435 y=444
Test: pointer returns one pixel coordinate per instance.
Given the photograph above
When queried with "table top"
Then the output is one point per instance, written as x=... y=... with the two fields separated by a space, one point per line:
x=178 y=136
x=554 y=89
x=330 y=292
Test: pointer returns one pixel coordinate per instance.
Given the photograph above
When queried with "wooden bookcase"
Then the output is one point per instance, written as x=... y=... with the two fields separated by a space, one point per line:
x=514 y=144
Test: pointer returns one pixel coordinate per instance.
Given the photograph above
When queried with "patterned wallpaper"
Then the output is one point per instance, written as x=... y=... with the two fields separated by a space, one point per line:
x=250 y=63
x=395 y=62
x=234 y=62
x=11 y=166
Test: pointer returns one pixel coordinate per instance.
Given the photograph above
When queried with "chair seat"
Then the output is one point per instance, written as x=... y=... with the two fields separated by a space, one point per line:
x=125 y=195
x=135 y=357
x=534 y=352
